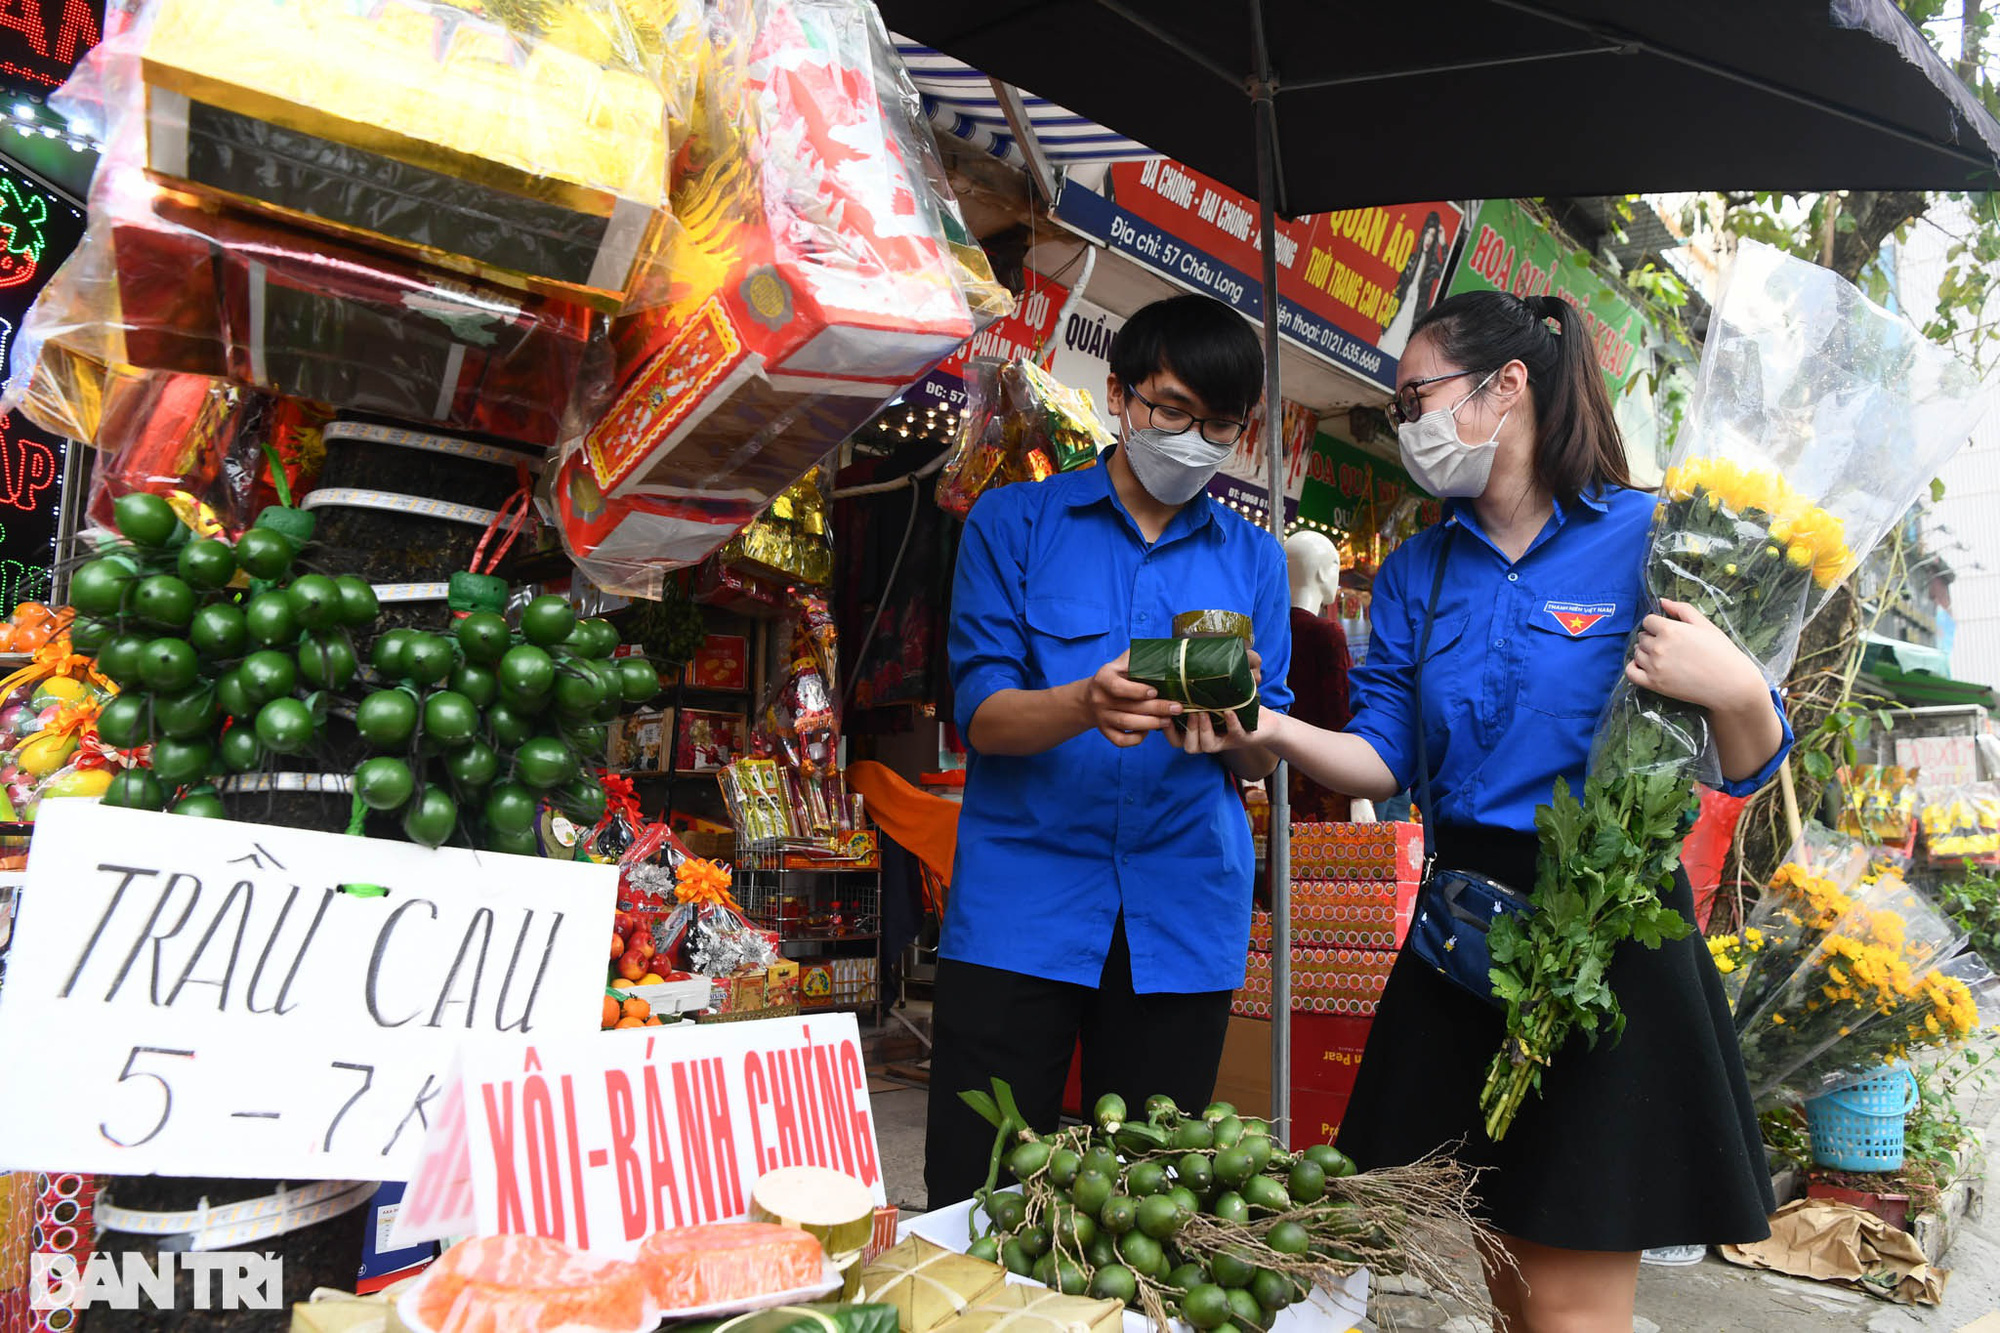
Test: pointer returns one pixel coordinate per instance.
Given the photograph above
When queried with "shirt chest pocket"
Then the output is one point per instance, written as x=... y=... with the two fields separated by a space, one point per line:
x=1068 y=638
x=1575 y=653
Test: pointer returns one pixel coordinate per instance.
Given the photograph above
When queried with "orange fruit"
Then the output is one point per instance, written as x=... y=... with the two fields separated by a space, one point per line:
x=637 y=1008
x=652 y=979
x=30 y=613
x=654 y=1022
x=611 y=1012
x=617 y=946
x=6 y=638
x=27 y=638
x=631 y=1023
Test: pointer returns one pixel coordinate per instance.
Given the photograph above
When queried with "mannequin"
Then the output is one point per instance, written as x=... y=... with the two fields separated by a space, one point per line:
x=1320 y=661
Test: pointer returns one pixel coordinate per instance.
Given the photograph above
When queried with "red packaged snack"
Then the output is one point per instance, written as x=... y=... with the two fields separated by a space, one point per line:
x=690 y=1267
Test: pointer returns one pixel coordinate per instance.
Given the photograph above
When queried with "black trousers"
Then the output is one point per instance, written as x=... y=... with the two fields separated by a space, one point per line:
x=990 y=1023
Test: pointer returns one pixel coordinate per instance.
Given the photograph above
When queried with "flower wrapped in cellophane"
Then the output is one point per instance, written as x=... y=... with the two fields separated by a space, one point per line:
x=1806 y=897
x=1816 y=419
x=1878 y=963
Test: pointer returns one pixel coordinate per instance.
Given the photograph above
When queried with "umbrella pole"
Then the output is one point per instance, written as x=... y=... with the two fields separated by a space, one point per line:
x=1279 y=855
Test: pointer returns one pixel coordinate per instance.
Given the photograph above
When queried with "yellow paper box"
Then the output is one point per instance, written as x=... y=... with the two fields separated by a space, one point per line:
x=927 y=1283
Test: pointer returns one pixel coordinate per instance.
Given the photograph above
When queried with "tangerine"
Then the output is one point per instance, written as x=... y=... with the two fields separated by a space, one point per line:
x=638 y=1008
x=631 y=1023
x=611 y=1013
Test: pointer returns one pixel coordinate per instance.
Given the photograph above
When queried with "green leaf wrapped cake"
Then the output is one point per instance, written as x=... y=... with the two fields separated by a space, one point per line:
x=1204 y=675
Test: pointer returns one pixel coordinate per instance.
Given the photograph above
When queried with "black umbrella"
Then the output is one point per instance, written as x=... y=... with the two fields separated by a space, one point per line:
x=1312 y=106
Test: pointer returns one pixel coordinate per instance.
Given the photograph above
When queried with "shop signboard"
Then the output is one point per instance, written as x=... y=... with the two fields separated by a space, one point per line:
x=1509 y=251
x=41 y=40
x=1080 y=356
x=1353 y=491
x=1020 y=334
x=196 y=997
x=601 y=1140
x=1349 y=284
x=37 y=232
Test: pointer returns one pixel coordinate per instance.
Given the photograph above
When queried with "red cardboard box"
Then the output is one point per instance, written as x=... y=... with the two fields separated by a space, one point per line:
x=1363 y=914
x=1328 y=981
x=721 y=663
x=1316 y=1116
x=1326 y=1051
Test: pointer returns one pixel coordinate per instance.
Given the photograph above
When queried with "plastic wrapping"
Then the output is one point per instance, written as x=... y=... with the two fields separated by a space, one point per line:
x=1880 y=802
x=1941 y=1007
x=1871 y=965
x=1022 y=424
x=820 y=264
x=524 y=144
x=1961 y=823
x=790 y=540
x=800 y=721
x=166 y=282
x=1808 y=895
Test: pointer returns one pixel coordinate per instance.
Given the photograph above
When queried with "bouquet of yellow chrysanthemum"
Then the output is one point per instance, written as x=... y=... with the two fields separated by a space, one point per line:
x=1810 y=892
x=1817 y=417
x=1862 y=995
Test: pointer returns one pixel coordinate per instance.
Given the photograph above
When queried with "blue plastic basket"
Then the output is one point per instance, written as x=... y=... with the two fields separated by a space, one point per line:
x=1859 y=1126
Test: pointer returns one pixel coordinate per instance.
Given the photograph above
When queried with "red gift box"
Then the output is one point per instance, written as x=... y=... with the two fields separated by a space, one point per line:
x=721 y=663
x=1350 y=852
x=203 y=291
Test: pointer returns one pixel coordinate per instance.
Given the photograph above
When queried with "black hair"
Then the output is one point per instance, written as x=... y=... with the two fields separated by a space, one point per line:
x=1577 y=443
x=1202 y=341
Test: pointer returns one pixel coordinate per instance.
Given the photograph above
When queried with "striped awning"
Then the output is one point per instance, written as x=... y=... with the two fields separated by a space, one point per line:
x=961 y=102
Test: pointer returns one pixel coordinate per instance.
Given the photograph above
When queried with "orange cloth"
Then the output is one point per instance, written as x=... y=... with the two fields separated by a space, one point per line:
x=925 y=826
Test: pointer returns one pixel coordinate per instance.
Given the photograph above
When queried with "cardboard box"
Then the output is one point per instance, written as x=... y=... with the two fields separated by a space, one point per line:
x=721 y=663
x=1349 y=852
x=709 y=741
x=1316 y=1116
x=781 y=985
x=1353 y=914
x=815 y=984
x=1333 y=981
x=1243 y=1079
x=1327 y=1050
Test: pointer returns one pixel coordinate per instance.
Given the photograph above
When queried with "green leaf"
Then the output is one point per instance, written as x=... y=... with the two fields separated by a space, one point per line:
x=1819 y=765
x=1937 y=490
x=984 y=1105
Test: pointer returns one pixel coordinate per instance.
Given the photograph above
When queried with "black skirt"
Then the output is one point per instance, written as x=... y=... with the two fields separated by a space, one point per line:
x=1648 y=1141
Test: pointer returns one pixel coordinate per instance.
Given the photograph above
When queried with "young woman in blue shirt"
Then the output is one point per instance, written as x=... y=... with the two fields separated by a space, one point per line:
x=1650 y=1140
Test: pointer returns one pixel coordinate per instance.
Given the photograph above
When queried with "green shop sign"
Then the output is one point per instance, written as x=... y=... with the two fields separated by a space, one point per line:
x=1509 y=251
x=1354 y=492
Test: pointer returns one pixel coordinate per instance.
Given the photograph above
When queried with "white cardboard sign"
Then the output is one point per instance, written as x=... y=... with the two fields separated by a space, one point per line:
x=202 y=997
x=602 y=1140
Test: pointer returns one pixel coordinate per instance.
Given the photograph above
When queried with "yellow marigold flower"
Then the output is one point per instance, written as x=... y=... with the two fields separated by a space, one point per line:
x=1725 y=965
x=1931 y=1025
x=1754 y=935
x=1779 y=1019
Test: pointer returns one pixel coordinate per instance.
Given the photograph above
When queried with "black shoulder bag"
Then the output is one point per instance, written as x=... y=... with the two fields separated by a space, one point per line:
x=1454 y=907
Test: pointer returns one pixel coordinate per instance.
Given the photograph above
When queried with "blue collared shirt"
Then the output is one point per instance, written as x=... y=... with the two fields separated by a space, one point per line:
x=1523 y=657
x=1053 y=581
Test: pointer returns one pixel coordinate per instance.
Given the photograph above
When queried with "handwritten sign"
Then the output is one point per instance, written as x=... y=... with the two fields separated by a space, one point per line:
x=199 y=997
x=602 y=1140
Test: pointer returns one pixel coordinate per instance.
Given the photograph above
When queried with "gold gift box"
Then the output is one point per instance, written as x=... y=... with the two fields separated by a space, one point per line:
x=1019 y=1309
x=421 y=126
x=927 y=1283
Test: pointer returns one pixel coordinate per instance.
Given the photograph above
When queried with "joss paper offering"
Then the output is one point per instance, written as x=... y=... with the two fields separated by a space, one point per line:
x=1022 y=424
x=1203 y=675
x=523 y=143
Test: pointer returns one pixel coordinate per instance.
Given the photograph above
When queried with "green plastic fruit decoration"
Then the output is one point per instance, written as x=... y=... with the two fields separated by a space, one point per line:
x=547 y=620
x=428 y=659
x=167 y=665
x=270 y=619
x=163 y=600
x=484 y=636
x=522 y=843
x=358 y=603
x=389 y=655
x=267 y=674
x=233 y=696
x=511 y=808
x=144 y=519
x=120 y=659
x=509 y=726
x=206 y=564
x=578 y=691
x=527 y=672
x=218 y=631
x=87 y=634
x=125 y=723
x=201 y=805
x=473 y=765
x=99 y=587
x=430 y=818
x=178 y=762
x=285 y=726
x=383 y=783
x=386 y=719
x=315 y=600
x=450 y=718
x=543 y=762
x=477 y=682
x=240 y=750
x=327 y=661
x=638 y=679
x=583 y=800
x=191 y=712
x=135 y=789
x=263 y=554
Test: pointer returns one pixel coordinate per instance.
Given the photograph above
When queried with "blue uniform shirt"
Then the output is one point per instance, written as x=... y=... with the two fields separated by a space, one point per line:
x=1523 y=657
x=1053 y=581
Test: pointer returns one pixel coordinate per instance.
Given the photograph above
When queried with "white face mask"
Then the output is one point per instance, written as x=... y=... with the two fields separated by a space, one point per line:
x=1172 y=468
x=1439 y=461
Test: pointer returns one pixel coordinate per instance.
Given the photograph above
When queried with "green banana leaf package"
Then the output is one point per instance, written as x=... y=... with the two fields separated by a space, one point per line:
x=1204 y=675
x=805 y=1319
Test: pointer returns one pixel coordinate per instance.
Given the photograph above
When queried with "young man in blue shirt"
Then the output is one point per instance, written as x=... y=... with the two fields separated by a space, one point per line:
x=1103 y=884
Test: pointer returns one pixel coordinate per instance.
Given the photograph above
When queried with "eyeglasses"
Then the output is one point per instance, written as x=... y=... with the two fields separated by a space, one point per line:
x=1173 y=420
x=1408 y=404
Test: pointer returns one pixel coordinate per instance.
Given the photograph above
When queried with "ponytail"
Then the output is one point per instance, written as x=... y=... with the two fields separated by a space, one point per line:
x=1577 y=442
